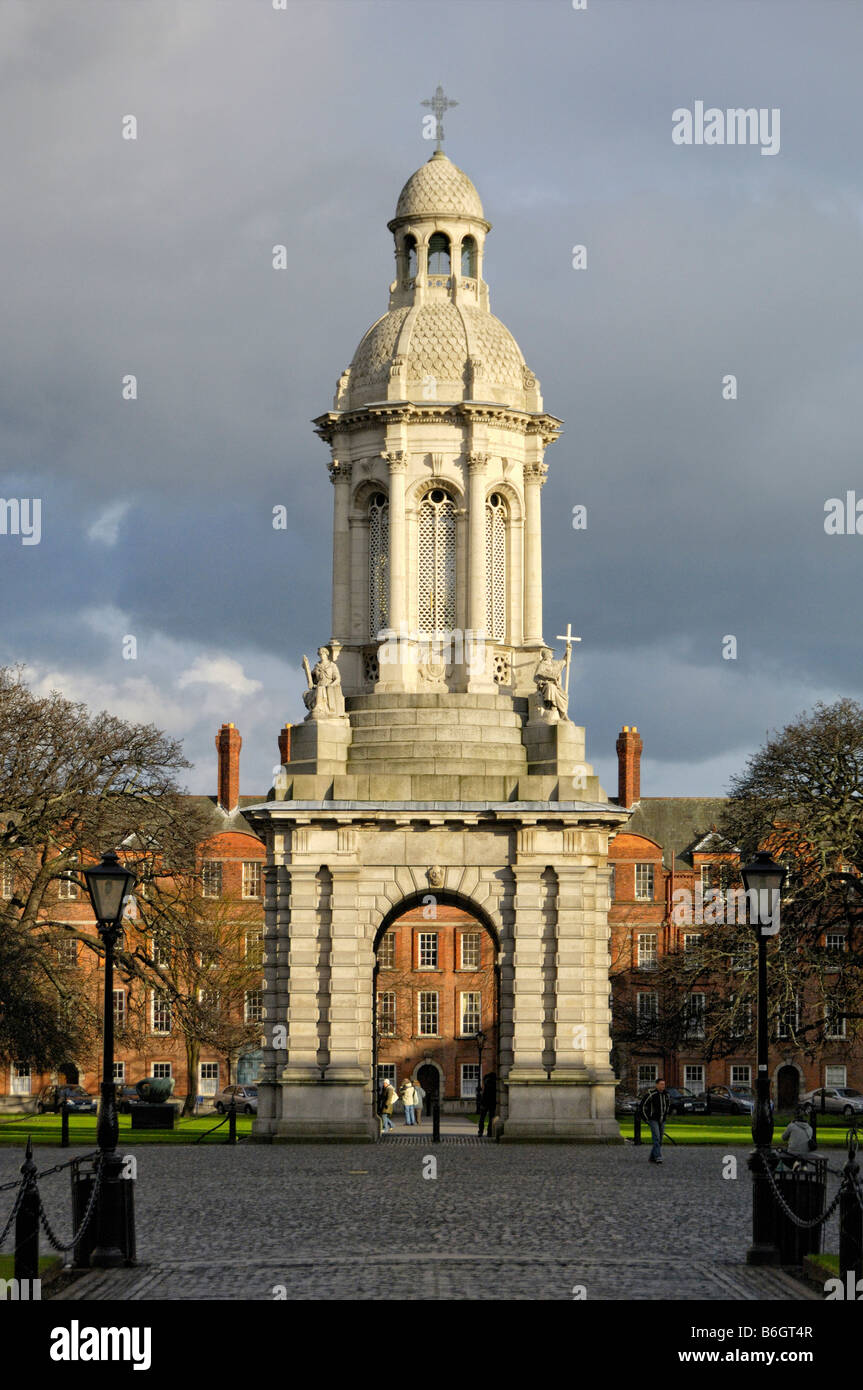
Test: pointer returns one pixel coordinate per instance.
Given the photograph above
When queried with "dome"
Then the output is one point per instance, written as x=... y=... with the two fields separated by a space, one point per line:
x=438 y=340
x=439 y=188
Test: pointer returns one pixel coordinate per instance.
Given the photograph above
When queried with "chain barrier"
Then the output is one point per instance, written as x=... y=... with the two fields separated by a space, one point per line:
x=14 y=1212
x=792 y=1216
x=88 y=1215
x=31 y=1179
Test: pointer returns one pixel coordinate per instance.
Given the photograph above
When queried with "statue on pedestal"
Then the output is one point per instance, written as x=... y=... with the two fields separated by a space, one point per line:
x=553 y=698
x=324 y=698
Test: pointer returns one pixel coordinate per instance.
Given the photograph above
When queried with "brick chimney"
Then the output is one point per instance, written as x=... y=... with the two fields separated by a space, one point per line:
x=285 y=744
x=629 y=746
x=229 y=743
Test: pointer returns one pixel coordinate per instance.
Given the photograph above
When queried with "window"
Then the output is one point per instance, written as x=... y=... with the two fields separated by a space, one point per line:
x=67 y=889
x=694 y=1016
x=209 y=999
x=160 y=1005
x=162 y=1071
x=706 y=877
x=208 y=1081
x=20 y=1078
x=387 y=951
x=387 y=1072
x=468 y=257
x=788 y=1020
x=387 y=1014
x=693 y=1078
x=161 y=950
x=469 y=1080
x=836 y=1076
x=255 y=948
x=647 y=950
x=691 y=940
x=427 y=952
x=470 y=950
x=251 y=878
x=495 y=567
x=119 y=1008
x=742 y=956
x=611 y=881
x=67 y=951
x=379 y=564
x=647 y=1074
x=120 y=1073
x=834 y=1024
x=439 y=257
x=470 y=1012
x=436 y=562
x=410 y=256
x=254 y=1005
x=644 y=882
x=647 y=1008
x=835 y=941
x=7 y=882
x=740 y=1025
x=211 y=878
x=741 y=1074
x=428 y=1013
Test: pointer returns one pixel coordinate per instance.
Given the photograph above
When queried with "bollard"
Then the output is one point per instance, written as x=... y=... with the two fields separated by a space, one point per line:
x=64 y=1125
x=636 y=1126
x=813 y=1120
x=27 y=1223
x=232 y=1123
x=435 y=1120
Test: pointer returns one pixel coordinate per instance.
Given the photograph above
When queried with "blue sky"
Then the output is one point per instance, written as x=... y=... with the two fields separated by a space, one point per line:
x=257 y=127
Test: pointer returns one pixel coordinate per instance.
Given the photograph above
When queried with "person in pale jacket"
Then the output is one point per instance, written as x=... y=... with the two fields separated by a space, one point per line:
x=797 y=1135
x=421 y=1100
x=409 y=1099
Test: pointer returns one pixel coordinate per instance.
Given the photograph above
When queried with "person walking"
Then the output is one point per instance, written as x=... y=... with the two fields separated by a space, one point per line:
x=387 y=1103
x=488 y=1102
x=421 y=1097
x=654 y=1109
x=409 y=1100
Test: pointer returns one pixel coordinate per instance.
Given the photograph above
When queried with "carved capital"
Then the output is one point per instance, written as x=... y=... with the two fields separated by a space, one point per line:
x=397 y=460
x=477 y=463
x=535 y=473
x=339 y=472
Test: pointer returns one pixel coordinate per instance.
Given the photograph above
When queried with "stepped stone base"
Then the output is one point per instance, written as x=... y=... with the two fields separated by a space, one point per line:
x=572 y=1110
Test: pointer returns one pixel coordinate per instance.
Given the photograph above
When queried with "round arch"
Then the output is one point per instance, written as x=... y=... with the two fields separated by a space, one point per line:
x=447 y=898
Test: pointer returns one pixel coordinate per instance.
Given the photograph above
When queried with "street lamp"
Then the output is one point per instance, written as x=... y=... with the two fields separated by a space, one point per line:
x=109 y=884
x=479 y=1039
x=762 y=880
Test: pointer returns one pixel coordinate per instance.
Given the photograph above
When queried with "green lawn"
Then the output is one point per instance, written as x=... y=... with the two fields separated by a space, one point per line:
x=45 y=1129
x=732 y=1129
x=46 y=1263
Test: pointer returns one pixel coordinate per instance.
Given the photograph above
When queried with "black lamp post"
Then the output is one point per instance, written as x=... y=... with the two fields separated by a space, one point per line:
x=763 y=880
x=109 y=884
x=479 y=1039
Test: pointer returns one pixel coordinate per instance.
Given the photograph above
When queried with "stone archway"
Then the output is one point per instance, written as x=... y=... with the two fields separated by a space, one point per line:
x=436 y=985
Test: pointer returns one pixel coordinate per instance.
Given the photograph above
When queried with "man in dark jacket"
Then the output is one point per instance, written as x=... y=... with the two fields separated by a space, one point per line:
x=488 y=1101
x=654 y=1109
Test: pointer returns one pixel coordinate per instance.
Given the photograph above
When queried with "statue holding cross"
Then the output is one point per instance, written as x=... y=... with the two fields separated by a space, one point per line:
x=552 y=679
x=568 y=638
x=439 y=104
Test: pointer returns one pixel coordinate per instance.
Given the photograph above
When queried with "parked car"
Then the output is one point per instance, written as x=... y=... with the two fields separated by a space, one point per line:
x=686 y=1102
x=51 y=1099
x=838 y=1100
x=731 y=1100
x=624 y=1103
x=127 y=1096
x=246 y=1098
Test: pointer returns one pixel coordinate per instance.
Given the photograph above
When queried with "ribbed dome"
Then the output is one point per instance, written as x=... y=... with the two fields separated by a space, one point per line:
x=439 y=187
x=437 y=340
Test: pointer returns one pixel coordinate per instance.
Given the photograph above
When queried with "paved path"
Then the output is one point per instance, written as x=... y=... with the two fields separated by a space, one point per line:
x=497 y=1222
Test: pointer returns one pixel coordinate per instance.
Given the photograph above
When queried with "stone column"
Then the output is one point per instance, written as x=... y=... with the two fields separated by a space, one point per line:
x=534 y=476
x=527 y=1042
x=358 y=597
x=398 y=466
x=340 y=476
x=477 y=614
x=350 y=991
x=573 y=983
x=302 y=1012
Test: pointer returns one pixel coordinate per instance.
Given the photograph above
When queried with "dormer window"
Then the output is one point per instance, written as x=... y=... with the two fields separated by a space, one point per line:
x=468 y=257
x=439 y=254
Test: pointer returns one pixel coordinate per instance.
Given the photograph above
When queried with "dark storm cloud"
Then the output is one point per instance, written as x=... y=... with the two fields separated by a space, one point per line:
x=256 y=127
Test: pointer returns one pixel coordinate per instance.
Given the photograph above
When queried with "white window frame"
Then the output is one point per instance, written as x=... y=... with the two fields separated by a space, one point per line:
x=469 y=1075
x=647 y=956
x=470 y=1010
x=831 y=1073
x=21 y=1078
x=695 y=1014
x=385 y=1010
x=647 y=1074
x=212 y=868
x=386 y=1072
x=740 y=1074
x=693 y=1077
x=423 y=948
x=473 y=937
x=782 y=1029
x=387 y=951
x=422 y=995
x=253 y=878
x=835 y=1022
x=692 y=940
x=121 y=1013
x=7 y=881
x=163 y=1071
x=160 y=1001
x=836 y=942
x=119 y=1073
x=208 y=1084
x=645 y=1014
x=645 y=872
x=253 y=1006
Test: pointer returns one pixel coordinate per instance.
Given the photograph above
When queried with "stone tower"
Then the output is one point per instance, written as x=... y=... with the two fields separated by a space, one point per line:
x=437 y=761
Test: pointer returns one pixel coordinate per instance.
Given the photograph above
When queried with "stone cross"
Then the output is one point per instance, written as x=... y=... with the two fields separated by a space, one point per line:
x=568 y=638
x=439 y=104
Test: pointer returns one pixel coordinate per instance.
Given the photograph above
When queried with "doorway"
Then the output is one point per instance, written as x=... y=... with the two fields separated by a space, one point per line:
x=429 y=1078
x=787 y=1087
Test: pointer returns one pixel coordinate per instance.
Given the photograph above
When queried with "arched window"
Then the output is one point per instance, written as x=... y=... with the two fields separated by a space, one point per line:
x=379 y=563
x=439 y=260
x=495 y=566
x=468 y=257
x=410 y=257
x=436 y=567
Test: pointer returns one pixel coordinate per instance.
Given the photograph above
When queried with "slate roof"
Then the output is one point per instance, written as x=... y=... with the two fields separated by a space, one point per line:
x=676 y=823
x=236 y=821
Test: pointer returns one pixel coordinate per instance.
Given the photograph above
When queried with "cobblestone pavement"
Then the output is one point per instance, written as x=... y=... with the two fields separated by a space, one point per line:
x=497 y=1222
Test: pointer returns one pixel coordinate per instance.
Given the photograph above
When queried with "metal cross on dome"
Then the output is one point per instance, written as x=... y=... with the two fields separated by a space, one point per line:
x=439 y=104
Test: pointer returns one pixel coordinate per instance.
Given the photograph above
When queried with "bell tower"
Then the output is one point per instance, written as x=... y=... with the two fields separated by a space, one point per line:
x=437 y=759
